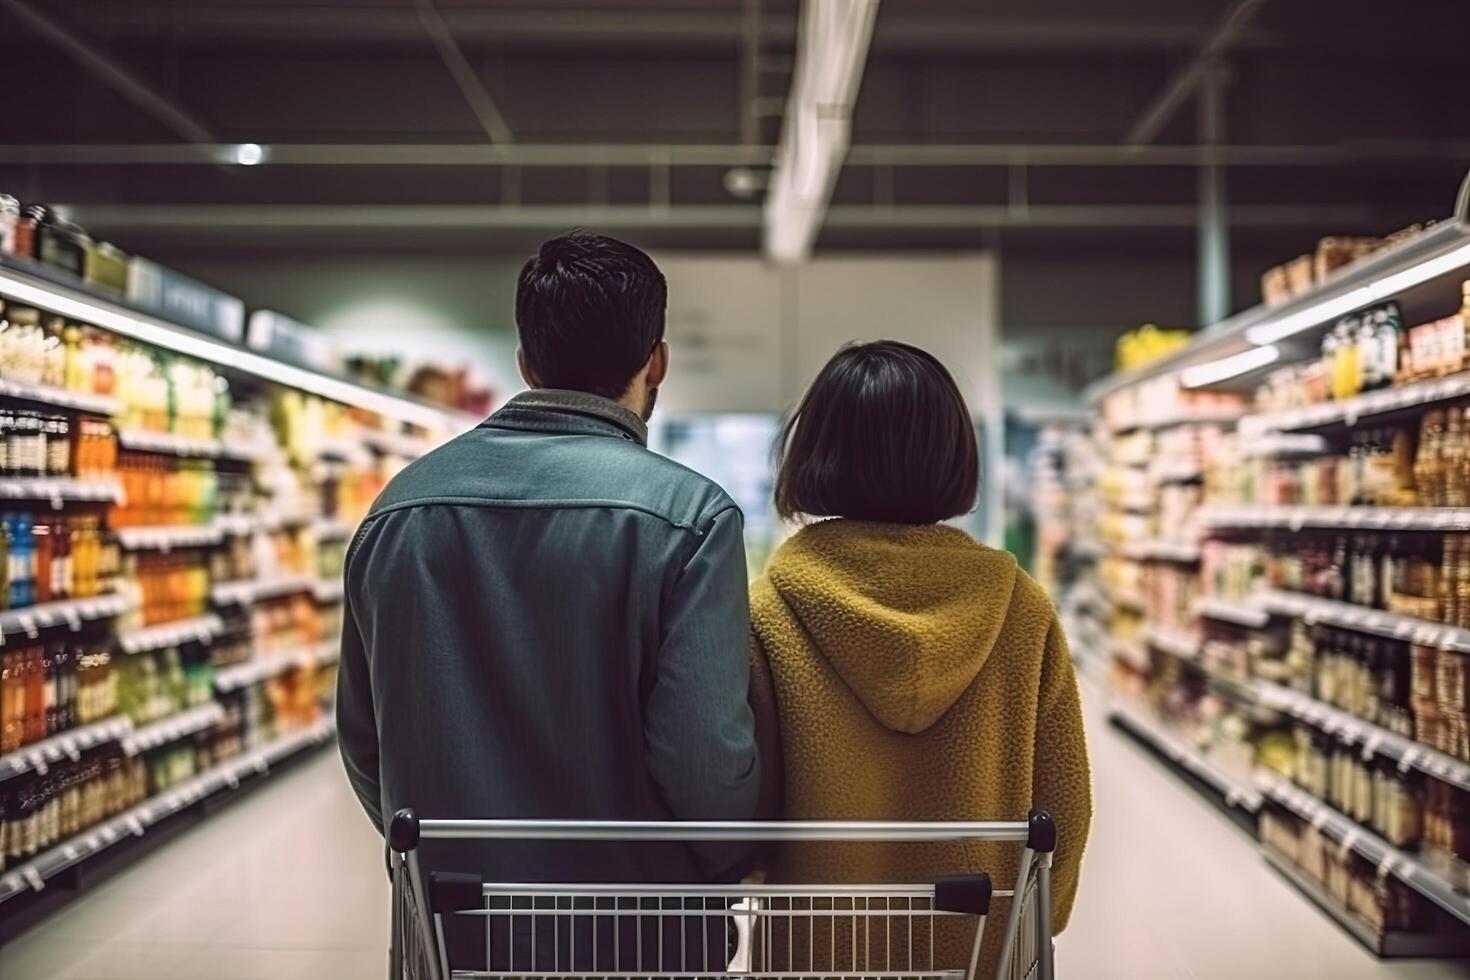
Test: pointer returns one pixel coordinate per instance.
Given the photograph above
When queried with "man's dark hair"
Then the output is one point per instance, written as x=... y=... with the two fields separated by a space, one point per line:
x=882 y=434
x=589 y=310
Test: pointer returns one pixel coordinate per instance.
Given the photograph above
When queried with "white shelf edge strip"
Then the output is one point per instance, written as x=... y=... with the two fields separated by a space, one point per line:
x=63 y=745
x=1376 y=621
x=33 y=873
x=1238 y=611
x=72 y=303
x=1390 y=859
x=68 y=612
x=1373 y=739
x=60 y=397
x=246 y=591
x=1318 y=894
x=164 y=537
x=1236 y=793
x=1365 y=518
x=58 y=488
x=176 y=726
x=1363 y=406
x=170 y=634
x=260 y=668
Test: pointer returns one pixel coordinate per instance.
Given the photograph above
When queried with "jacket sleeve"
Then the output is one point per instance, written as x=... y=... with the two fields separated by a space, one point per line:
x=1062 y=777
x=767 y=733
x=357 y=726
x=699 y=734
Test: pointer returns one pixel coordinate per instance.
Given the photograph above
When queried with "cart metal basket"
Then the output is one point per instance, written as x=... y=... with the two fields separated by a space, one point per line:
x=565 y=929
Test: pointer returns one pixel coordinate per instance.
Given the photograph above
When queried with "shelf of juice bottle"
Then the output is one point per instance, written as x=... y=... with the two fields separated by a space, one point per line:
x=1353 y=836
x=1188 y=758
x=262 y=667
x=79 y=401
x=1352 y=410
x=1379 y=622
x=1241 y=612
x=227 y=775
x=66 y=612
x=56 y=490
x=179 y=725
x=1358 y=518
x=169 y=443
x=246 y=591
x=39 y=756
x=197 y=628
x=1374 y=739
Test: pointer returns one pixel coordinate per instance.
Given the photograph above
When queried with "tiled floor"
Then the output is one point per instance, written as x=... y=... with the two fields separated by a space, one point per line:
x=289 y=884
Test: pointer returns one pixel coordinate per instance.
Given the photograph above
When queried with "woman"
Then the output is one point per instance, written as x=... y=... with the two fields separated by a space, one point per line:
x=901 y=670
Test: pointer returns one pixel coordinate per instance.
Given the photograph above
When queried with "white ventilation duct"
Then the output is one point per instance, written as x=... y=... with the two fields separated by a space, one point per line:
x=832 y=47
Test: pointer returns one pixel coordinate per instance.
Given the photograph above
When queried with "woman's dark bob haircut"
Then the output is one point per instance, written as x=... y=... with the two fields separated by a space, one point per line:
x=882 y=434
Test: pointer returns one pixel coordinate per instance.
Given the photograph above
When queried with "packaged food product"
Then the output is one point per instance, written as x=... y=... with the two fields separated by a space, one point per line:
x=1338 y=250
x=1299 y=274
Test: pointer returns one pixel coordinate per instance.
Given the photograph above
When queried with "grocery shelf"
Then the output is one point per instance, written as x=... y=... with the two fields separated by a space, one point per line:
x=1160 y=549
x=196 y=628
x=1355 y=837
x=396 y=444
x=20 y=282
x=136 y=821
x=1130 y=652
x=328 y=590
x=1236 y=792
x=1374 y=739
x=1350 y=411
x=170 y=443
x=1200 y=417
x=66 y=612
x=1175 y=471
x=166 y=537
x=1173 y=641
x=246 y=591
x=1241 y=612
x=1128 y=599
x=1362 y=518
x=57 y=489
x=330 y=529
x=173 y=728
x=60 y=397
x=1354 y=617
x=1277 y=444
x=1389 y=944
x=262 y=667
x=65 y=745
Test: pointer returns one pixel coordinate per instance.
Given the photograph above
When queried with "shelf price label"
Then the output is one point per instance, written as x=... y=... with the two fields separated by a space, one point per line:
x=33 y=877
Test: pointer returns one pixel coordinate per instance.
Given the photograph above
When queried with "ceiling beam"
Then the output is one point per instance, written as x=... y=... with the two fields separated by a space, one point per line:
x=286 y=219
x=113 y=72
x=464 y=75
x=716 y=154
x=1182 y=85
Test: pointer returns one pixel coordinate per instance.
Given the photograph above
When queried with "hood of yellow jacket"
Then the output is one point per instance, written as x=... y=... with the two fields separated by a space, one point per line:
x=906 y=615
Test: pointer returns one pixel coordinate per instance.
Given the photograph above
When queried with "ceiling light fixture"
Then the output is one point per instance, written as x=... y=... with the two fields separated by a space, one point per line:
x=249 y=154
x=1225 y=368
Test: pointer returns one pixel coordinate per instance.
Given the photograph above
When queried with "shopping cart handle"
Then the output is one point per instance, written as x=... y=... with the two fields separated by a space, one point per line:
x=1041 y=835
x=966 y=894
x=403 y=831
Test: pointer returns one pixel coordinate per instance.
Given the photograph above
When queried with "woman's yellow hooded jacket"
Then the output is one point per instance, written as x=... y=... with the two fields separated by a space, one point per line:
x=909 y=673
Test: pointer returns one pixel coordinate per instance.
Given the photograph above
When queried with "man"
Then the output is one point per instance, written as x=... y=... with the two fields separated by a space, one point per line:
x=547 y=620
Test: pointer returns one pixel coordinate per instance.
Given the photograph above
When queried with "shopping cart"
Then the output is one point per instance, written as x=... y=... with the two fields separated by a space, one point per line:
x=709 y=931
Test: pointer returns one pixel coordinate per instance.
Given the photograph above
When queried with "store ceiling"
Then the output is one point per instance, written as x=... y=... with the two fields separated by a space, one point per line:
x=1007 y=121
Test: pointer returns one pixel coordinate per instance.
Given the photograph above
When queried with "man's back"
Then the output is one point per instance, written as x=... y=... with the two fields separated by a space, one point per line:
x=547 y=620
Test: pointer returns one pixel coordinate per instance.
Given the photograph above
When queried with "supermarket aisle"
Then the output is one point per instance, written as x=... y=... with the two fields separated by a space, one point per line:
x=287 y=884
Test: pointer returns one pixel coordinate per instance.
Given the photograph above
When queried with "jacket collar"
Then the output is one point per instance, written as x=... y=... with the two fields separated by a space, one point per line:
x=553 y=408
